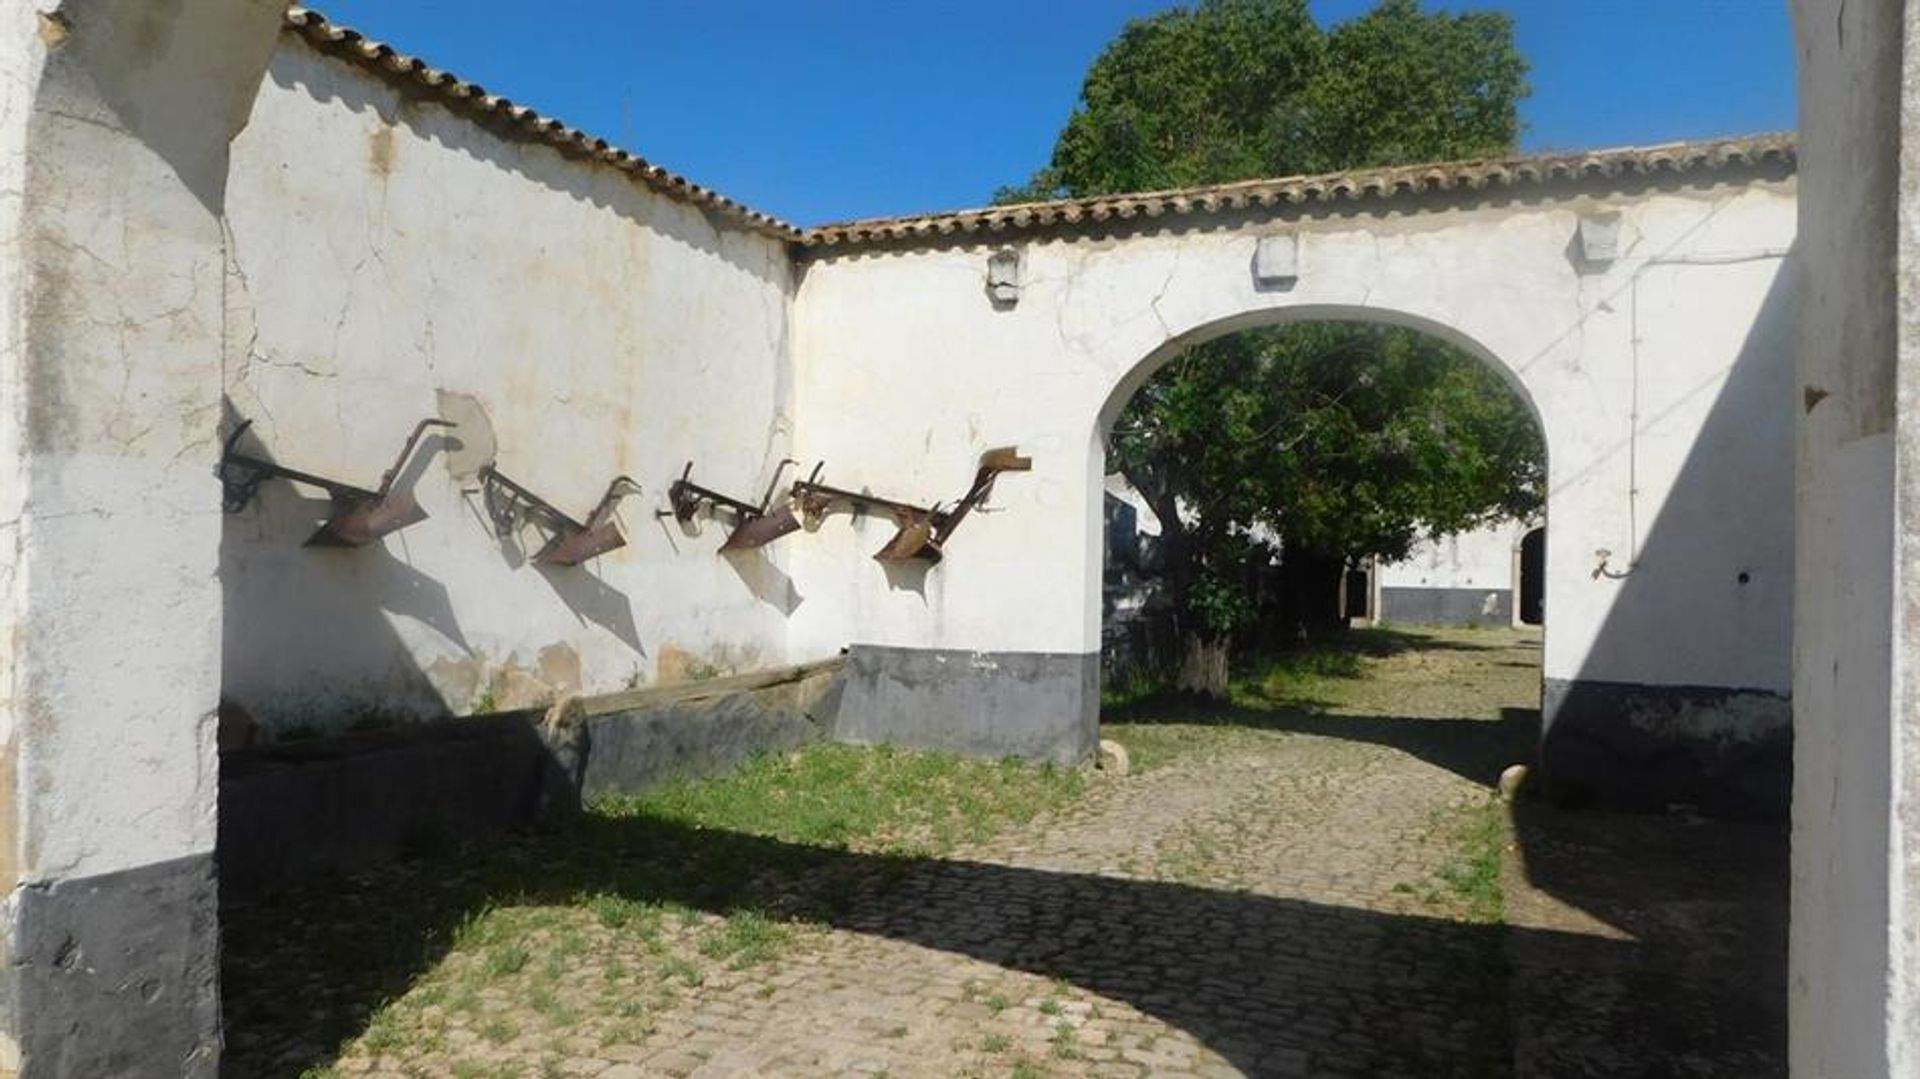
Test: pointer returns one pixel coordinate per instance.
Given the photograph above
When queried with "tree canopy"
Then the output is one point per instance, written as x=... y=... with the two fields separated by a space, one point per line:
x=1243 y=89
x=1338 y=440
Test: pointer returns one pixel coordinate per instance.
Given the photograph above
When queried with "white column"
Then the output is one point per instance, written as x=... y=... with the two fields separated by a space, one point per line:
x=115 y=117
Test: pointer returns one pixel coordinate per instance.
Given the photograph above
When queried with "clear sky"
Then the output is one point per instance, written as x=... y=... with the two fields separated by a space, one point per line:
x=820 y=110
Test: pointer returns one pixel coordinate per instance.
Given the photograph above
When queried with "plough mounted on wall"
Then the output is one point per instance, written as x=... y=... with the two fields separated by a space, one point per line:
x=921 y=531
x=753 y=525
x=569 y=542
x=359 y=516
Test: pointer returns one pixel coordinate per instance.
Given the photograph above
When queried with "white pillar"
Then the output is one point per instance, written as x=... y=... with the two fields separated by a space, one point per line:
x=115 y=117
x=1856 y=818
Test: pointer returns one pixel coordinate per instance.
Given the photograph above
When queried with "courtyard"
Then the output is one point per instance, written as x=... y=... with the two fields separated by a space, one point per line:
x=1316 y=879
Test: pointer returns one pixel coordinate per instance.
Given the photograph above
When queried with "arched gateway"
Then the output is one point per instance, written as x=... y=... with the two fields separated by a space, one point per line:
x=1637 y=299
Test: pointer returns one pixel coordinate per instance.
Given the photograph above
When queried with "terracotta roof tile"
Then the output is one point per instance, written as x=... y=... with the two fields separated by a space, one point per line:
x=1746 y=153
x=1749 y=153
x=465 y=97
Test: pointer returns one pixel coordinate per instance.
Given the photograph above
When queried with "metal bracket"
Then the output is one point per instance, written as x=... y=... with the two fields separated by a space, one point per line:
x=569 y=542
x=753 y=526
x=359 y=516
x=921 y=531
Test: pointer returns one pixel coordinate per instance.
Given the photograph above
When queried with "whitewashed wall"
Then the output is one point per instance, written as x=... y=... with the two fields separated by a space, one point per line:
x=1480 y=559
x=385 y=252
x=1665 y=374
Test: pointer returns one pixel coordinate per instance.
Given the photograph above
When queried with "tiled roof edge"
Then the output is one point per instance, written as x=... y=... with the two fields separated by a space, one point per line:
x=1359 y=185
x=472 y=100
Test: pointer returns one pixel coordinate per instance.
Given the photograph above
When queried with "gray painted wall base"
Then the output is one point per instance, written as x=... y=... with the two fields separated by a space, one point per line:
x=1726 y=752
x=701 y=734
x=1036 y=705
x=333 y=805
x=339 y=804
x=117 y=975
x=1447 y=606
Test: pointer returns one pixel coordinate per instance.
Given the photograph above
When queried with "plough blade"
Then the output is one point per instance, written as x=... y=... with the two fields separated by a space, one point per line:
x=358 y=522
x=572 y=547
x=913 y=540
x=760 y=530
x=1005 y=459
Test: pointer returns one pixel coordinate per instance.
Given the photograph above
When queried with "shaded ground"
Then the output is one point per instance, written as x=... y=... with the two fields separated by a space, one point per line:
x=1309 y=882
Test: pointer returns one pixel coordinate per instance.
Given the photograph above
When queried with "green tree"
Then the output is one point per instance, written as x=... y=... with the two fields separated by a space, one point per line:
x=1313 y=444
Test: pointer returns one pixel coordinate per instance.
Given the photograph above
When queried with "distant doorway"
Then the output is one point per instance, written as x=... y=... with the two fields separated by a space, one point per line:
x=1533 y=576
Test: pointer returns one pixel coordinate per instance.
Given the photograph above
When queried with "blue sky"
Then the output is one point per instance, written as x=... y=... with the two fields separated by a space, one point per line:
x=820 y=110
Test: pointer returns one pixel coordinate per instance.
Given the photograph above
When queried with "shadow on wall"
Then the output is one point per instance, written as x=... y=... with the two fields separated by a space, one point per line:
x=498 y=144
x=291 y=615
x=591 y=599
x=1723 y=746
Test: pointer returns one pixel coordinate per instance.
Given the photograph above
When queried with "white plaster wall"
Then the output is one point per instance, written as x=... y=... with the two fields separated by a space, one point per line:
x=1855 y=986
x=906 y=372
x=1482 y=558
x=385 y=251
x=110 y=378
x=21 y=56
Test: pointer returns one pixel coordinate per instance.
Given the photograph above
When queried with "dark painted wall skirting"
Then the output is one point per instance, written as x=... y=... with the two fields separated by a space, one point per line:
x=1726 y=752
x=117 y=975
x=333 y=805
x=644 y=742
x=338 y=804
x=1447 y=606
x=1037 y=705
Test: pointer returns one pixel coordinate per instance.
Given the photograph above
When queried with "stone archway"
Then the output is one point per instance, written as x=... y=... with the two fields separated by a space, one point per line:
x=1636 y=312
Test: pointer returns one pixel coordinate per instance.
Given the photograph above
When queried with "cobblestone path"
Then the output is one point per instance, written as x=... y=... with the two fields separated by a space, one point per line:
x=1293 y=893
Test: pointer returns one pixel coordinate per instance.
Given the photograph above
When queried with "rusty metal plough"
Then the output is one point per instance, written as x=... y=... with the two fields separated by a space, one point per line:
x=921 y=531
x=753 y=525
x=569 y=542
x=359 y=516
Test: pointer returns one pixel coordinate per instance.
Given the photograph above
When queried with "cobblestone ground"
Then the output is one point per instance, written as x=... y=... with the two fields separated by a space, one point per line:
x=1292 y=893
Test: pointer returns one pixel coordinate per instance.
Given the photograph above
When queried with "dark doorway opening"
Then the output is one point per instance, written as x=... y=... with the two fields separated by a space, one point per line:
x=1533 y=576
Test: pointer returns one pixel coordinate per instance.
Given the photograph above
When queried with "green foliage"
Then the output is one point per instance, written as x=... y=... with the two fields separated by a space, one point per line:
x=1331 y=442
x=1239 y=89
x=1346 y=438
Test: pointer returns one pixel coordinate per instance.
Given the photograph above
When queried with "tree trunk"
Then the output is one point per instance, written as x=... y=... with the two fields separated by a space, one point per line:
x=1203 y=666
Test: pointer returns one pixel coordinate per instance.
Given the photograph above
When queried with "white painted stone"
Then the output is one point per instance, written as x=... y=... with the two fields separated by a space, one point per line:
x=1599 y=237
x=1276 y=260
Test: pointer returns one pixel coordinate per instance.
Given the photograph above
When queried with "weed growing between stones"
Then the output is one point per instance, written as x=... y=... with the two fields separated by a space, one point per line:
x=497 y=961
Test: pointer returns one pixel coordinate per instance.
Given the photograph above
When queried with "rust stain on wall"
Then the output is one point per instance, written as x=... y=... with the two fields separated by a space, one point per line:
x=380 y=150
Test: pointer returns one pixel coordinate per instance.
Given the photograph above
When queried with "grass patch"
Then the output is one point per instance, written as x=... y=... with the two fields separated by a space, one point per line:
x=869 y=799
x=1065 y=1041
x=746 y=939
x=647 y=895
x=506 y=959
x=1474 y=873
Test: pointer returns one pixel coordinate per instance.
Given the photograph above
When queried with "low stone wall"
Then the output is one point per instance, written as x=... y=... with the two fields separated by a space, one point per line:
x=332 y=805
x=640 y=739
